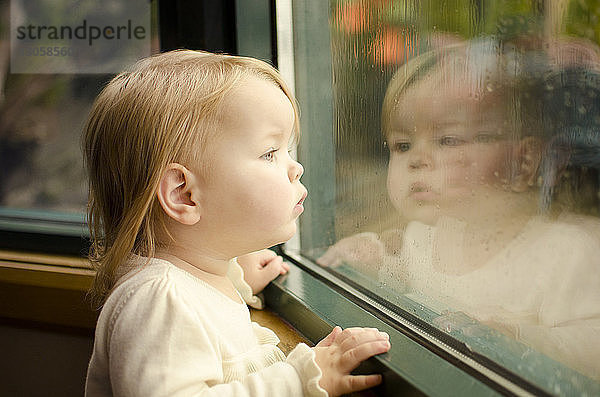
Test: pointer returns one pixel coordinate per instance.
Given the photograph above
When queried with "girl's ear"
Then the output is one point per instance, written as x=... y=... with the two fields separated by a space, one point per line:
x=528 y=155
x=178 y=193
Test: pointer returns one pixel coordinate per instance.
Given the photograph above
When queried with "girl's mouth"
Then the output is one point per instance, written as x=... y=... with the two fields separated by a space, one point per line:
x=421 y=191
x=419 y=187
x=299 y=207
x=301 y=201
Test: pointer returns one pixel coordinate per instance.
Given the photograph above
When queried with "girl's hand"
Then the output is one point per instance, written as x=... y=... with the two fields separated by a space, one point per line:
x=342 y=351
x=261 y=267
x=363 y=251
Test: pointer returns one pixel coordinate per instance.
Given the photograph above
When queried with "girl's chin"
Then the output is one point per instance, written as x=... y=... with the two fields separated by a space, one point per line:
x=467 y=210
x=426 y=220
x=427 y=214
x=285 y=235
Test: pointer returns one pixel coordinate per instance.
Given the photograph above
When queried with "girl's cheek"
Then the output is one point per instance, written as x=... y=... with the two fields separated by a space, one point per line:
x=453 y=166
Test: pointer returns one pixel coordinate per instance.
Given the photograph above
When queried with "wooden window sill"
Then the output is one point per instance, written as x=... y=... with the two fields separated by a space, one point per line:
x=288 y=336
x=46 y=289
x=51 y=289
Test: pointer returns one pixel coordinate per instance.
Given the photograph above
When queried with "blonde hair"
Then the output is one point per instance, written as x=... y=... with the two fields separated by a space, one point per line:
x=408 y=74
x=483 y=63
x=163 y=109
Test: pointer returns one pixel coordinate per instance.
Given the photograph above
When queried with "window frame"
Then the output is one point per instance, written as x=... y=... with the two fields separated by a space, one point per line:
x=44 y=232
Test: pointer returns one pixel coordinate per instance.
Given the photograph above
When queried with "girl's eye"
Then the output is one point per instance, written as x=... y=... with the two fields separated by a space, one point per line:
x=483 y=138
x=400 y=146
x=451 y=141
x=270 y=155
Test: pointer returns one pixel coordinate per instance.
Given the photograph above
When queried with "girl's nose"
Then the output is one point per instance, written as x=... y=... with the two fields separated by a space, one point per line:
x=418 y=163
x=420 y=156
x=295 y=171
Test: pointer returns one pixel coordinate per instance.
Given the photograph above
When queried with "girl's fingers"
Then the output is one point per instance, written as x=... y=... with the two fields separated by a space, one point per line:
x=333 y=257
x=361 y=337
x=266 y=256
x=273 y=261
x=351 y=335
x=354 y=383
x=328 y=258
x=353 y=357
x=256 y=259
x=272 y=269
x=329 y=339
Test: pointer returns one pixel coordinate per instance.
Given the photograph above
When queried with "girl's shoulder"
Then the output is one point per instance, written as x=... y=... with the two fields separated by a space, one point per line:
x=565 y=249
x=156 y=283
x=142 y=279
x=578 y=232
x=139 y=271
x=147 y=282
x=153 y=301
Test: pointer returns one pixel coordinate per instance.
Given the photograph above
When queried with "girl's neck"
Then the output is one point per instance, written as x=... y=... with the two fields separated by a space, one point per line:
x=203 y=269
x=211 y=271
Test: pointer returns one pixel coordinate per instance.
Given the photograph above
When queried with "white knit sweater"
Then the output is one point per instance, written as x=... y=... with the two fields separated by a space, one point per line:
x=164 y=332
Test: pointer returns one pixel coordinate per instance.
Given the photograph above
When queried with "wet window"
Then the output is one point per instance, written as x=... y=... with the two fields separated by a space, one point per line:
x=465 y=148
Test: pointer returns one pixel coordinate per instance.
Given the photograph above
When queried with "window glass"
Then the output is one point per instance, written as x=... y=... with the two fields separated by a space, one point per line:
x=465 y=144
x=55 y=57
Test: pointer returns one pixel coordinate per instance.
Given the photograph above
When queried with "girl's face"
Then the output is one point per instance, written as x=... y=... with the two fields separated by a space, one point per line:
x=252 y=193
x=449 y=151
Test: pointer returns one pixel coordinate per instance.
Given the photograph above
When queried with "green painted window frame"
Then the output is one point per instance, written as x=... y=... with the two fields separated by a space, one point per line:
x=44 y=231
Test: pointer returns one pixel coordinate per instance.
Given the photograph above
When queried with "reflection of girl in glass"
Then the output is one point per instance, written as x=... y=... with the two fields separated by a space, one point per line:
x=479 y=137
x=492 y=155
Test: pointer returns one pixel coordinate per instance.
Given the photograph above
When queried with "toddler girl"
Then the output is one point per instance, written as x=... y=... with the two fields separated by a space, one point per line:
x=187 y=154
